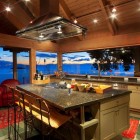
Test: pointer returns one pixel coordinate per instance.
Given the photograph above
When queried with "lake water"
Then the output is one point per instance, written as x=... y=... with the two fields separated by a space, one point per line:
x=6 y=72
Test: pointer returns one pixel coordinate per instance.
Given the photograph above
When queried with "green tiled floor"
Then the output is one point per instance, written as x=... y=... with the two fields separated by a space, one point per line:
x=4 y=132
x=4 y=136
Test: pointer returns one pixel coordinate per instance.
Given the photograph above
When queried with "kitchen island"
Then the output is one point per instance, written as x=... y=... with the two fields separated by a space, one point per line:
x=109 y=112
x=125 y=83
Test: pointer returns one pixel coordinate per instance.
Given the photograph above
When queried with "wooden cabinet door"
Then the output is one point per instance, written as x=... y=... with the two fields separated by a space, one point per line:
x=108 y=124
x=122 y=118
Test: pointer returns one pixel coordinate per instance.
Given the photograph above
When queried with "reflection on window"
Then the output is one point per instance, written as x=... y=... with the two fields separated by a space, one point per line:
x=46 y=62
x=82 y=63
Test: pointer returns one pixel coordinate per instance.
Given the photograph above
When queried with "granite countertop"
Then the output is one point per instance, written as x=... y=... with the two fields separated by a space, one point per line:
x=61 y=99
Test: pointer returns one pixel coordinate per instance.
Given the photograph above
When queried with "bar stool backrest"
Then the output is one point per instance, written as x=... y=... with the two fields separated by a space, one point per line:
x=39 y=110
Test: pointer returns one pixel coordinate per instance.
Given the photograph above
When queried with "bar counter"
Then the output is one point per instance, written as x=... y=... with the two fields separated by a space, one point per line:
x=110 y=109
x=125 y=83
x=61 y=99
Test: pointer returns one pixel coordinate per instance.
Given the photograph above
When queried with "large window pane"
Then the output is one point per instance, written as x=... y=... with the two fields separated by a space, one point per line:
x=82 y=63
x=46 y=62
x=6 y=65
x=23 y=73
x=78 y=63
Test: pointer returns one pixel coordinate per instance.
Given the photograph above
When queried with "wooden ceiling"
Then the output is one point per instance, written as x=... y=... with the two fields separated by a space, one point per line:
x=127 y=21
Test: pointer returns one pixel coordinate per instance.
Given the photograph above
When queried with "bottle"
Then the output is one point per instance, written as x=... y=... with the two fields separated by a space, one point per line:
x=69 y=89
x=35 y=76
x=41 y=75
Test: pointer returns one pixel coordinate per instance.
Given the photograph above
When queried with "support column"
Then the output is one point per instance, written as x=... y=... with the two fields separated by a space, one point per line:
x=15 y=65
x=59 y=61
x=137 y=62
x=32 y=63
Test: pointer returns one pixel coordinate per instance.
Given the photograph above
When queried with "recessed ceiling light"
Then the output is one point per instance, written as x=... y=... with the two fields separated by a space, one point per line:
x=95 y=21
x=114 y=10
x=8 y=9
x=75 y=21
x=113 y=15
x=27 y=0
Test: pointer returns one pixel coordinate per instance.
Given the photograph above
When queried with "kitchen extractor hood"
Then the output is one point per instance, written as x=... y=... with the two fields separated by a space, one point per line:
x=51 y=27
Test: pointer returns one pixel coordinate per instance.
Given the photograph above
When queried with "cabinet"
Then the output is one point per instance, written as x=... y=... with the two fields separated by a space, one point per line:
x=114 y=117
x=122 y=118
x=135 y=96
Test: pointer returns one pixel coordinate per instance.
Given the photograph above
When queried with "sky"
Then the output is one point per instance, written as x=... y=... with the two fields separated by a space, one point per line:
x=77 y=58
x=5 y=55
x=47 y=57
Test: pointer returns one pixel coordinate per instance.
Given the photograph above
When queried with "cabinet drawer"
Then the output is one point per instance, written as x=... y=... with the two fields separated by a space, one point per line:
x=108 y=104
x=114 y=102
x=123 y=99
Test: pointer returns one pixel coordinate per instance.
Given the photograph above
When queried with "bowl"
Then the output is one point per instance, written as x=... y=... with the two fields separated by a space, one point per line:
x=75 y=87
x=81 y=88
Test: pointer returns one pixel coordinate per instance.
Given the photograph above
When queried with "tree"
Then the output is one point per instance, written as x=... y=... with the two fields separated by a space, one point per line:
x=111 y=58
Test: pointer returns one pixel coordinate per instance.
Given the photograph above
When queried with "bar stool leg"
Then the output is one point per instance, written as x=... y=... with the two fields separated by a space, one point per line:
x=82 y=122
x=14 y=122
x=8 y=124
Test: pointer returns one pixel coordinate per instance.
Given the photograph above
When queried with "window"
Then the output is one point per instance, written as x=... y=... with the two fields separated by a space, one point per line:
x=82 y=63
x=23 y=73
x=46 y=62
x=6 y=65
x=78 y=63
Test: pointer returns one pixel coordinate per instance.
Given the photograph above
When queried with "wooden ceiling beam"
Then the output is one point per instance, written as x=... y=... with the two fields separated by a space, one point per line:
x=34 y=7
x=16 y=42
x=66 y=10
x=24 y=6
x=100 y=40
x=68 y=14
x=111 y=23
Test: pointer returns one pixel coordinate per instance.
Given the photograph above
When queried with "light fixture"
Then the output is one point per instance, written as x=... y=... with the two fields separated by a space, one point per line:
x=114 y=10
x=41 y=36
x=53 y=27
x=59 y=30
x=113 y=16
x=8 y=9
x=75 y=21
x=95 y=21
x=27 y=0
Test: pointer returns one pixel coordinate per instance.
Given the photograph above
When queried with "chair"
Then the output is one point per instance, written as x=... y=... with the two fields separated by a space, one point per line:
x=45 y=119
x=17 y=106
x=5 y=93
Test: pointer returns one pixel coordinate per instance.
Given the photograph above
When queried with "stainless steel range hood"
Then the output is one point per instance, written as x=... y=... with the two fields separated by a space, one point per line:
x=51 y=27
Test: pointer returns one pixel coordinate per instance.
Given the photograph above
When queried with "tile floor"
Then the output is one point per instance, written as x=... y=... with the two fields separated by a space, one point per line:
x=4 y=136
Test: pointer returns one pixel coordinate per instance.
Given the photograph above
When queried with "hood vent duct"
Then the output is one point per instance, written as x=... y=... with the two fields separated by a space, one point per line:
x=51 y=26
